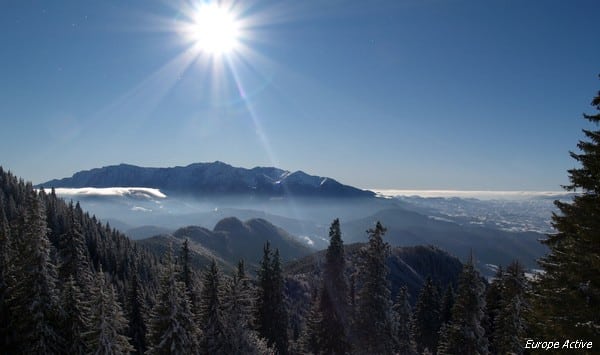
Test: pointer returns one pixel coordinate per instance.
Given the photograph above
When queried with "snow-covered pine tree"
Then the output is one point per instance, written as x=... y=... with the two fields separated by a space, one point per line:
x=426 y=318
x=510 y=332
x=238 y=303
x=107 y=325
x=76 y=314
x=333 y=300
x=5 y=272
x=271 y=314
x=374 y=316
x=402 y=312
x=263 y=295
x=72 y=252
x=280 y=316
x=172 y=327
x=137 y=312
x=567 y=296
x=211 y=317
x=446 y=305
x=492 y=307
x=465 y=333
x=189 y=277
x=33 y=298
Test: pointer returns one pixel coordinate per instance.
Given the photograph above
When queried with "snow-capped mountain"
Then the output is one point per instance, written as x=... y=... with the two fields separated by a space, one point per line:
x=209 y=179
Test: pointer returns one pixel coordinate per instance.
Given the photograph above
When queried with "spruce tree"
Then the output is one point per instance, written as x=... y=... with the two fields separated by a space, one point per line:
x=172 y=327
x=189 y=277
x=447 y=304
x=137 y=313
x=333 y=300
x=280 y=316
x=263 y=295
x=76 y=313
x=511 y=328
x=211 y=317
x=271 y=314
x=5 y=274
x=72 y=252
x=403 y=334
x=426 y=318
x=493 y=299
x=567 y=298
x=374 y=319
x=108 y=325
x=465 y=333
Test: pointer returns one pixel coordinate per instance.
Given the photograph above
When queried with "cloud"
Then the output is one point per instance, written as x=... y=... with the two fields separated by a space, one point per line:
x=140 y=209
x=144 y=192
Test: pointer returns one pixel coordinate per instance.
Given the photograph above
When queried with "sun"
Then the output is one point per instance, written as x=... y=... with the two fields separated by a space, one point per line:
x=215 y=30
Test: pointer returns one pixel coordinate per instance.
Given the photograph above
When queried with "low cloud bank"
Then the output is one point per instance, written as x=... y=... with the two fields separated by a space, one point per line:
x=110 y=191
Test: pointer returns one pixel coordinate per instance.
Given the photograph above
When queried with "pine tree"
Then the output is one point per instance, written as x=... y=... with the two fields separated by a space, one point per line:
x=567 y=298
x=280 y=316
x=447 y=304
x=189 y=277
x=33 y=297
x=509 y=335
x=172 y=328
x=492 y=307
x=76 y=314
x=374 y=318
x=137 y=313
x=352 y=306
x=107 y=323
x=211 y=317
x=426 y=318
x=333 y=300
x=271 y=314
x=404 y=341
x=5 y=274
x=465 y=333
x=263 y=294
x=72 y=250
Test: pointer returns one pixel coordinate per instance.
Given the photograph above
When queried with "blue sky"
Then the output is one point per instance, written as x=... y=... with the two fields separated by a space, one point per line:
x=423 y=94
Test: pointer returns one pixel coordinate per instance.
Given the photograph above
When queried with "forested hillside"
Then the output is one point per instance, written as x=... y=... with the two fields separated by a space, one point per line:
x=68 y=283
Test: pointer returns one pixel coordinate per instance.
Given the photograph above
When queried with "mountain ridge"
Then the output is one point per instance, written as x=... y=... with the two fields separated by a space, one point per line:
x=231 y=240
x=208 y=179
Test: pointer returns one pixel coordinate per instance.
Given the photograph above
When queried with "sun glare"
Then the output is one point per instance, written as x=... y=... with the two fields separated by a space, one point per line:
x=215 y=30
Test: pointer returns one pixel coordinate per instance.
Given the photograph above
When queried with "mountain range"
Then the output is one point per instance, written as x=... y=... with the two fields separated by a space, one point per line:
x=210 y=179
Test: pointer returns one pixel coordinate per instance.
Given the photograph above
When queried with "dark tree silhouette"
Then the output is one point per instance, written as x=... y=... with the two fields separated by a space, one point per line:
x=567 y=299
